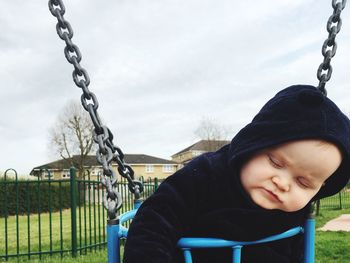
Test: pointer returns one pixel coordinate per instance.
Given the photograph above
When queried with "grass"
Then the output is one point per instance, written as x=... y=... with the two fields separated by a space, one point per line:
x=95 y=256
x=330 y=246
x=89 y=231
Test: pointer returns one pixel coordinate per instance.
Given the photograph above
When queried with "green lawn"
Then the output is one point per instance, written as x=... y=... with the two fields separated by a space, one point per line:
x=330 y=246
x=95 y=256
x=89 y=231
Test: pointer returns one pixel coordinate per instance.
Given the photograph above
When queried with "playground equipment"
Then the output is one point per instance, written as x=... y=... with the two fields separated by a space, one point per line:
x=108 y=152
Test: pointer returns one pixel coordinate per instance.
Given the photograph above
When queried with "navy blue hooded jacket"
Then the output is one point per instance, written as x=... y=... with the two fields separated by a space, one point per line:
x=206 y=198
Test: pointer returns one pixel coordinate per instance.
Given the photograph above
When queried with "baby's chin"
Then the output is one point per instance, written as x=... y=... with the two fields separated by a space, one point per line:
x=265 y=204
x=281 y=208
x=292 y=209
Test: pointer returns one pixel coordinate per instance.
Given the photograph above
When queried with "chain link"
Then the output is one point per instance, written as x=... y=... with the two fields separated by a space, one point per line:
x=329 y=47
x=107 y=151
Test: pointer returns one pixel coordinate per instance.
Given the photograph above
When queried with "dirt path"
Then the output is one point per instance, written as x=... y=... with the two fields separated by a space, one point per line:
x=341 y=223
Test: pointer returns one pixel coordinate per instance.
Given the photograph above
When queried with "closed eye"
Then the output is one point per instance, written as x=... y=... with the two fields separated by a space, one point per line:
x=274 y=162
x=302 y=182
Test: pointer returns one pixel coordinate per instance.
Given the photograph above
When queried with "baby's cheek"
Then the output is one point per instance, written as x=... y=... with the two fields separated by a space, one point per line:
x=299 y=205
x=300 y=201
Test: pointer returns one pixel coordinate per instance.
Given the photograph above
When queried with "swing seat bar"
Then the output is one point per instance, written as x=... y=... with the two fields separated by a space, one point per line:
x=193 y=242
x=117 y=231
x=188 y=243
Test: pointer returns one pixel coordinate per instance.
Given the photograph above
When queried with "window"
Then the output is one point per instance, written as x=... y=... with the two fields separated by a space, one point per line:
x=168 y=168
x=47 y=174
x=197 y=153
x=149 y=168
x=65 y=174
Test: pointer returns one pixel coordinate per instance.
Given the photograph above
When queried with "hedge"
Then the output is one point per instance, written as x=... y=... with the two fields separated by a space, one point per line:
x=33 y=196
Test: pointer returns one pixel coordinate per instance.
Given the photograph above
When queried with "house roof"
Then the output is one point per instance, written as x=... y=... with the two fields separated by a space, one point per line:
x=202 y=146
x=91 y=161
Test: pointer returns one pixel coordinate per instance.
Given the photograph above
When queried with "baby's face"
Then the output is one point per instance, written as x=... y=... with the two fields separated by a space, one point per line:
x=288 y=176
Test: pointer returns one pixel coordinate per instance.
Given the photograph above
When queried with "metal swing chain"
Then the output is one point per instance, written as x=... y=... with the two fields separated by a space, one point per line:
x=107 y=151
x=329 y=47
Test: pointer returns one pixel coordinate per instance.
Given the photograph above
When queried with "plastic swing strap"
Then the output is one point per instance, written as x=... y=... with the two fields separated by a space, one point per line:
x=309 y=240
x=115 y=230
x=113 y=242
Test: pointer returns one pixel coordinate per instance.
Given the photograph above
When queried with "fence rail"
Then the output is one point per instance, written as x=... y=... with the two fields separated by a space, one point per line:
x=46 y=217
x=340 y=200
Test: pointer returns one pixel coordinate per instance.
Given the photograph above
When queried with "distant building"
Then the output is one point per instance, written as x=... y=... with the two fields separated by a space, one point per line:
x=187 y=154
x=143 y=165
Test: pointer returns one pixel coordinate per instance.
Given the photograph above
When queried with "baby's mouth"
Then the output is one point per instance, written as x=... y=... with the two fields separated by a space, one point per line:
x=273 y=196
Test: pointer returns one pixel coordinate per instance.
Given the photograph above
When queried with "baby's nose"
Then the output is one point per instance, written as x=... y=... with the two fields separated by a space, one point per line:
x=281 y=182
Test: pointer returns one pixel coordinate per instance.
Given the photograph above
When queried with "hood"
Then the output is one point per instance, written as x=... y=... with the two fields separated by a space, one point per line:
x=295 y=113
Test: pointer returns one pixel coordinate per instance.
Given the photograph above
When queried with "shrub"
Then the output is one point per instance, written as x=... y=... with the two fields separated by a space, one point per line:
x=33 y=196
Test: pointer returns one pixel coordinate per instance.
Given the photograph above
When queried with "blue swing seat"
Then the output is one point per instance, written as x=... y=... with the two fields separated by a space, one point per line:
x=118 y=231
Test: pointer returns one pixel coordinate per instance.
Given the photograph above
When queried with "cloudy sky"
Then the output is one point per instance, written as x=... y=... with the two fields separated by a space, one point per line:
x=158 y=67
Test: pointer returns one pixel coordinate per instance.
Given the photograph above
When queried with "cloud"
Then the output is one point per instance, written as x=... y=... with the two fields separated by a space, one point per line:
x=157 y=67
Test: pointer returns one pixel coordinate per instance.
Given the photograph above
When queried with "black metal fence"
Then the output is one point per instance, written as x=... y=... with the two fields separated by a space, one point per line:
x=40 y=217
x=340 y=200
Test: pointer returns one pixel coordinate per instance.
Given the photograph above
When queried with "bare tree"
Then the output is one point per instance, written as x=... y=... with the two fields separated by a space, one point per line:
x=212 y=133
x=72 y=135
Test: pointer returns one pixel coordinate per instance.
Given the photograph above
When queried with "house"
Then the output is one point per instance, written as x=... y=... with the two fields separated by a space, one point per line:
x=143 y=165
x=202 y=146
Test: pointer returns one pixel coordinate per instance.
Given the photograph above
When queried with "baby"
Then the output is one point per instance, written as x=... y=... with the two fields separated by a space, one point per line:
x=296 y=150
x=288 y=176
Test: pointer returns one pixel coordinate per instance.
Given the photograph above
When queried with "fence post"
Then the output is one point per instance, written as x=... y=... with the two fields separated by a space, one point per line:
x=317 y=207
x=17 y=212
x=73 y=207
x=16 y=183
x=340 y=201
x=155 y=184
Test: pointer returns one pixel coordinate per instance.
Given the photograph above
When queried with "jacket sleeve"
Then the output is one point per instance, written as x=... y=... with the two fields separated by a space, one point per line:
x=161 y=220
